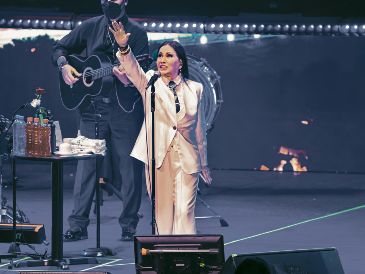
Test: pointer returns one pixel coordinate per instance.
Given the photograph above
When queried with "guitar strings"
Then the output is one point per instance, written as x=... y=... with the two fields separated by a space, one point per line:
x=107 y=70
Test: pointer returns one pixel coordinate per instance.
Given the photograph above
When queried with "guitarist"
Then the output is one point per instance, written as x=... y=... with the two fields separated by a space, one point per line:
x=121 y=115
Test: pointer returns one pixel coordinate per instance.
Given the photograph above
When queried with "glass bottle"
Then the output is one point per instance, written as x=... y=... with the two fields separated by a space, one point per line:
x=36 y=138
x=29 y=136
x=46 y=138
x=19 y=139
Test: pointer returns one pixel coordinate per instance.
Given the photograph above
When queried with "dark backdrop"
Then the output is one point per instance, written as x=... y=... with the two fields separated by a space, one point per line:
x=211 y=8
x=269 y=85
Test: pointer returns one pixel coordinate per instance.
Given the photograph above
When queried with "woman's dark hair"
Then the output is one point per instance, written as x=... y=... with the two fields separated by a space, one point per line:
x=180 y=51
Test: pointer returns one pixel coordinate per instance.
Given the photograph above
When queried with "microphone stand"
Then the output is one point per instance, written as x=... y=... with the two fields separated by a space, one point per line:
x=14 y=246
x=13 y=116
x=153 y=162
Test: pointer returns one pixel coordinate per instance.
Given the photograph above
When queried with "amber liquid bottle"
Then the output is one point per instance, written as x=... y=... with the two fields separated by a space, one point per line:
x=36 y=138
x=46 y=139
x=29 y=137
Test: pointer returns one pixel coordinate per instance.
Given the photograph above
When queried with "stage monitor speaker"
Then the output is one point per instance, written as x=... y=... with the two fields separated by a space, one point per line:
x=309 y=261
x=61 y=272
x=25 y=233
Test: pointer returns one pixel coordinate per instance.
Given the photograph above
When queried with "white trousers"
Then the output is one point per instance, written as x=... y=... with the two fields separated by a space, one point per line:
x=175 y=194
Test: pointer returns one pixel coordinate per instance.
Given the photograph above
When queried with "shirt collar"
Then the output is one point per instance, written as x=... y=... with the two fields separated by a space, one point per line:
x=124 y=20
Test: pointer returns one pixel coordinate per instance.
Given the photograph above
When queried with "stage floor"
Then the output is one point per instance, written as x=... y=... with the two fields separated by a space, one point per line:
x=265 y=211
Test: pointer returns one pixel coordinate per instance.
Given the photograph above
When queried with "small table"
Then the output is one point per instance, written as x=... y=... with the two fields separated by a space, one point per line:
x=57 y=199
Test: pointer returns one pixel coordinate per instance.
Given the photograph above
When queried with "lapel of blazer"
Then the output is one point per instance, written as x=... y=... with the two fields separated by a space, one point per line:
x=166 y=97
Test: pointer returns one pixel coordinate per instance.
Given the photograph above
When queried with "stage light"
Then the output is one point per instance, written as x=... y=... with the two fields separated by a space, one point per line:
x=286 y=28
x=293 y=29
x=10 y=22
x=167 y=27
x=51 y=24
x=227 y=28
x=43 y=24
x=2 y=22
x=354 y=29
x=202 y=26
x=277 y=28
x=18 y=23
x=60 y=24
x=335 y=29
x=160 y=27
x=151 y=27
x=26 y=23
x=211 y=28
x=68 y=25
x=344 y=29
x=327 y=29
x=196 y=28
x=35 y=24
x=310 y=28
x=230 y=37
x=362 y=29
x=235 y=28
x=215 y=28
x=176 y=27
x=268 y=28
x=260 y=28
x=186 y=27
x=319 y=29
x=257 y=36
x=244 y=29
x=203 y=39
x=252 y=28
x=302 y=28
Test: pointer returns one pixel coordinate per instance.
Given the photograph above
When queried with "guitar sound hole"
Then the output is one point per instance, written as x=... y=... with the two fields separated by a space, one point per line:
x=88 y=78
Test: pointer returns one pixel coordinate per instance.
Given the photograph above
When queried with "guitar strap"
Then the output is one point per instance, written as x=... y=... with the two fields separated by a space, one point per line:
x=121 y=106
x=113 y=45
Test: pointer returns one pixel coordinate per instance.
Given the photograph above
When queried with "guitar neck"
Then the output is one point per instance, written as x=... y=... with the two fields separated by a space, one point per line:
x=105 y=71
x=143 y=60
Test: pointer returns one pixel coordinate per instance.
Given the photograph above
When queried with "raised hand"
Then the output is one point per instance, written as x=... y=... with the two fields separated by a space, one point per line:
x=121 y=37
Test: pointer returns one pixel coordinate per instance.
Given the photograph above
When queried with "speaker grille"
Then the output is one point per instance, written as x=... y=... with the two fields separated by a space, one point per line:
x=58 y=272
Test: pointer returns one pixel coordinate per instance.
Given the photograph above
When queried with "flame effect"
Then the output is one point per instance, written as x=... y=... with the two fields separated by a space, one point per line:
x=292 y=164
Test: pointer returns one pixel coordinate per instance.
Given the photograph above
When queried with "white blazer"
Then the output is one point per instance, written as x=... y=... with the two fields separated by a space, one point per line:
x=188 y=125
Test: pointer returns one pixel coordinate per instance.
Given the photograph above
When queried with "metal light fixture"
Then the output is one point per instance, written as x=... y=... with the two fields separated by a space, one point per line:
x=208 y=27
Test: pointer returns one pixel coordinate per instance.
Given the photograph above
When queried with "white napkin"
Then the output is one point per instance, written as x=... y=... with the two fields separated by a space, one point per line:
x=81 y=144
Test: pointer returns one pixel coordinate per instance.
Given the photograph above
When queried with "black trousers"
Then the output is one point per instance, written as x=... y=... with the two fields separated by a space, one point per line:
x=120 y=130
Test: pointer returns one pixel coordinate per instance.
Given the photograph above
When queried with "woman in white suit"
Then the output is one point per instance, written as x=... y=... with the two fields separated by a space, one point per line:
x=180 y=132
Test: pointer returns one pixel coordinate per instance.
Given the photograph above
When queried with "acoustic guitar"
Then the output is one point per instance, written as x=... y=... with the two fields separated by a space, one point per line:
x=97 y=77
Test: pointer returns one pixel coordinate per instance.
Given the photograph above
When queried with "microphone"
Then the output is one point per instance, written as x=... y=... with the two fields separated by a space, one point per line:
x=153 y=79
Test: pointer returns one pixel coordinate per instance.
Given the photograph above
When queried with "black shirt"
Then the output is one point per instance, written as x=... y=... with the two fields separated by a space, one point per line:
x=91 y=37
